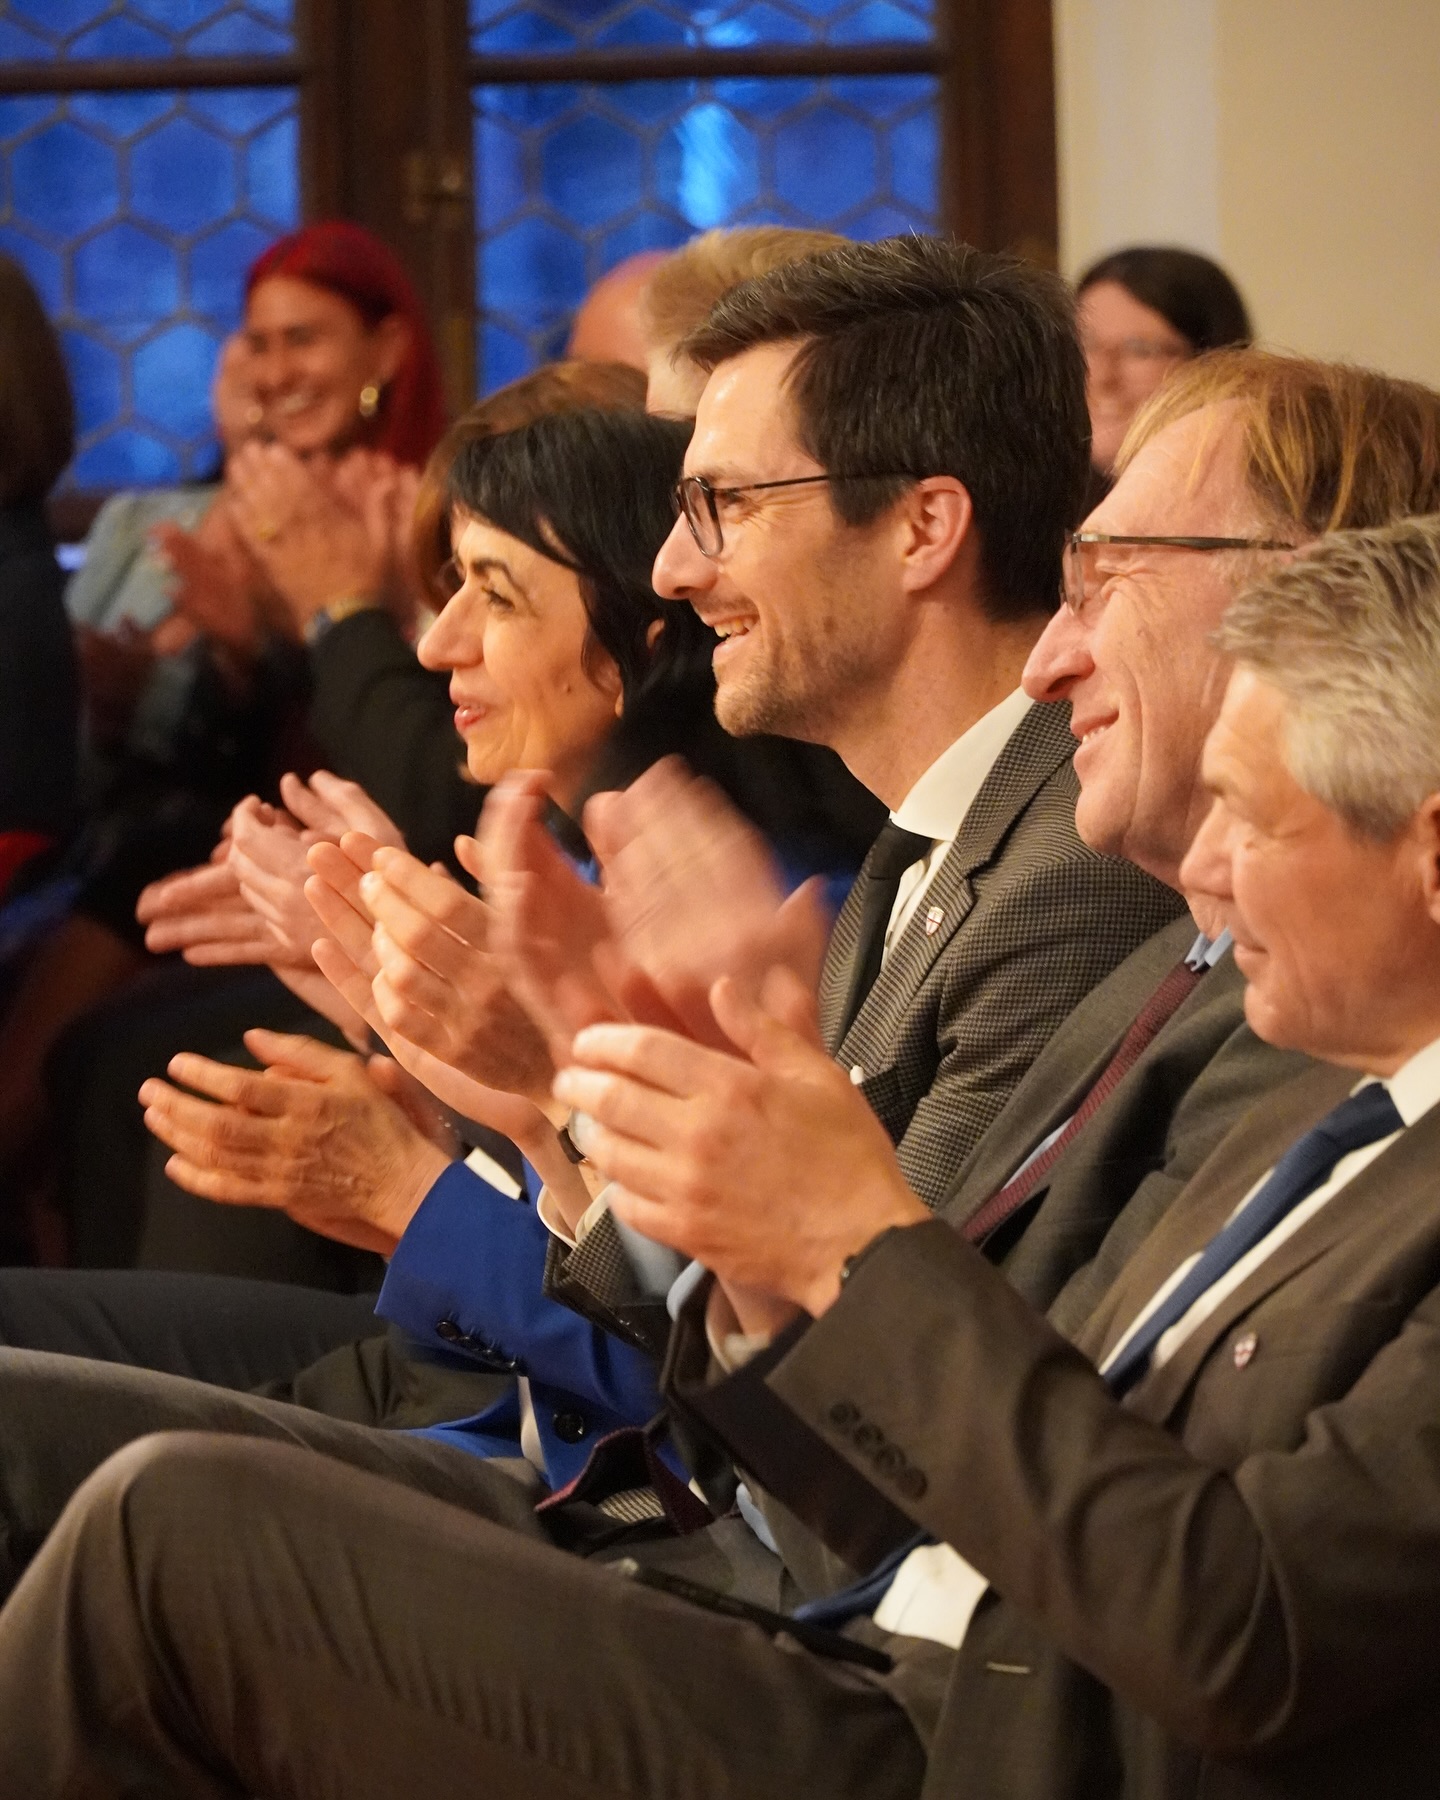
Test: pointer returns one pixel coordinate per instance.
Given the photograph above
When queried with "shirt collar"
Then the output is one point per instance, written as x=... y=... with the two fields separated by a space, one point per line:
x=1415 y=1085
x=937 y=804
x=1205 y=952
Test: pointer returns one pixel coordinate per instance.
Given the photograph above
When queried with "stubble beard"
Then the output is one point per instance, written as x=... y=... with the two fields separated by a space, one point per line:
x=806 y=697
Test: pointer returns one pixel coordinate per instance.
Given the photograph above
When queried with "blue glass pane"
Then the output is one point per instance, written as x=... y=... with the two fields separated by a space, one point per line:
x=95 y=377
x=125 y=279
x=571 y=180
x=217 y=266
x=880 y=22
x=120 y=115
x=239 y=35
x=89 y=28
x=591 y=170
x=497 y=25
x=120 y=37
x=59 y=15
x=137 y=216
x=44 y=267
x=182 y=176
x=127 y=458
x=171 y=377
x=63 y=180
x=18 y=43
x=270 y=173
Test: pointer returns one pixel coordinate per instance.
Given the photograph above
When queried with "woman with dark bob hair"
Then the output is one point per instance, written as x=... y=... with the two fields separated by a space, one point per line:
x=562 y=659
x=586 y=494
x=1143 y=310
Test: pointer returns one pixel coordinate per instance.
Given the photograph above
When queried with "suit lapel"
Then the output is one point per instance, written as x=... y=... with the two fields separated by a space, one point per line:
x=1040 y=744
x=1381 y=1196
x=1382 y=1193
x=1213 y=1193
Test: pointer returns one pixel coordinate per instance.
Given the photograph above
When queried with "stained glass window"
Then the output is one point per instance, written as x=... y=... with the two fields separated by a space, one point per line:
x=137 y=213
x=573 y=176
x=36 y=30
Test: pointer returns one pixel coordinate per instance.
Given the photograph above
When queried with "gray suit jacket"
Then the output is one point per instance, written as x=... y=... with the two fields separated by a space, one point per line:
x=1225 y=1586
x=1030 y=920
x=1100 y=1200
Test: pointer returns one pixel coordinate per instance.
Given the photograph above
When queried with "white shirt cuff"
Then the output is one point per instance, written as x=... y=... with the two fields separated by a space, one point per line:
x=553 y=1219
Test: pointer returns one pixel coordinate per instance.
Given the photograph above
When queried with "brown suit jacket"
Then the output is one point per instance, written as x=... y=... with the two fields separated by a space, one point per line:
x=1225 y=1586
x=1030 y=921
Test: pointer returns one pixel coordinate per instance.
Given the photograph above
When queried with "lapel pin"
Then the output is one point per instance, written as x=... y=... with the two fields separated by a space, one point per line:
x=933 y=920
x=1245 y=1347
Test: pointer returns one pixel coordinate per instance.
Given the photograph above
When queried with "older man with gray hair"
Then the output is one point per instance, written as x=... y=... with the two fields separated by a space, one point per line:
x=1199 y=1550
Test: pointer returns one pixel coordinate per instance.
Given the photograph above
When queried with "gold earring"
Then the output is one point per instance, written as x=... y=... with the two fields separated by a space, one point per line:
x=369 y=400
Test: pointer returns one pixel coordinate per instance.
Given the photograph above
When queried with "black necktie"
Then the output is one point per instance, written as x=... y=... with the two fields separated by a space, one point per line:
x=890 y=856
x=1362 y=1119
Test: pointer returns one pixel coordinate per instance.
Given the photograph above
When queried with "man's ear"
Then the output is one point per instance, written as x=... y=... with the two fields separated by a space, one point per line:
x=938 y=520
x=1427 y=829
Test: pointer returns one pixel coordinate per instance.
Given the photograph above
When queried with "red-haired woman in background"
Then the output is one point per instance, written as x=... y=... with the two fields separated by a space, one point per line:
x=340 y=374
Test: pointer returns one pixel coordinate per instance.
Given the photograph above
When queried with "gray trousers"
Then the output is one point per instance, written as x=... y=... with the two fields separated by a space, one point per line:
x=336 y=1610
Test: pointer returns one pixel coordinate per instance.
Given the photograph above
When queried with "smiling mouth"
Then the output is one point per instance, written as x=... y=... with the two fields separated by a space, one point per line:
x=290 y=404
x=1094 y=731
x=731 y=628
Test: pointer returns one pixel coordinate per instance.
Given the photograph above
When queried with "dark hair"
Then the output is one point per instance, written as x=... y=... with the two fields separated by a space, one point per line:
x=591 y=490
x=37 y=414
x=1191 y=293
x=928 y=356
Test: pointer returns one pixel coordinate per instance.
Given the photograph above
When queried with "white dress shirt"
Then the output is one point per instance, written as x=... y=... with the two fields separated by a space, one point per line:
x=937 y=804
x=935 y=1591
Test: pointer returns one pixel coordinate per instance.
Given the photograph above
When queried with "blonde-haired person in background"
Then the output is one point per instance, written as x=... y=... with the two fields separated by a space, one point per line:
x=684 y=287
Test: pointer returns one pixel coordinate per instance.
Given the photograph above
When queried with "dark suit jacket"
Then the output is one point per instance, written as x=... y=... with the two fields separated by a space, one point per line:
x=386 y=722
x=1225 y=1586
x=1102 y=1197
x=1031 y=920
x=39 y=686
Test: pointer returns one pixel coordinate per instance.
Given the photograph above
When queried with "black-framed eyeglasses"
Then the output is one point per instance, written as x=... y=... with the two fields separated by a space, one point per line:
x=698 y=502
x=1078 y=588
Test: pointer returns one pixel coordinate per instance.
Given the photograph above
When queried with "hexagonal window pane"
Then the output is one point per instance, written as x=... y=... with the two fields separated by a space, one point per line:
x=272 y=162
x=120 y=37
x=592 y=170
x=64 y=180
x=825 y=164
x=127 y=280
x=60 y=16
x=171 y=378
x=126 y=458
x=95 y=377
x=43 y=266
x=182 y=176
x=533 y=272
x=120 y=116
x=217 y=267
x=858 y=153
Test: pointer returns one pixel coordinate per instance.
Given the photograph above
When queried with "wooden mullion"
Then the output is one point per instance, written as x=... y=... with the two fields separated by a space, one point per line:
x=681 y=63
x=138 y=75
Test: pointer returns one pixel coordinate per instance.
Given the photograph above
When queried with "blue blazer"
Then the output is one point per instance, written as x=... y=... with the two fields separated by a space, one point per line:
x=467 y=1278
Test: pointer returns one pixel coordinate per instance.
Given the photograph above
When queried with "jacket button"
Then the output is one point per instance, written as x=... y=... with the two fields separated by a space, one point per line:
x=570 y=1427
x=449 y=1330
x=911 y=1483
x=844 y=1413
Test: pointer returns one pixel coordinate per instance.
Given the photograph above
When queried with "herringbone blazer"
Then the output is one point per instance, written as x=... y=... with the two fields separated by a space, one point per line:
x=1226 y=1586
x=1020 y=921
x=1029 y=920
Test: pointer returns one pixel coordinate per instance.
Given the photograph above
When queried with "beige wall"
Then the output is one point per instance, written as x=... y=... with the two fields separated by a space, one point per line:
x=1297 y=140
